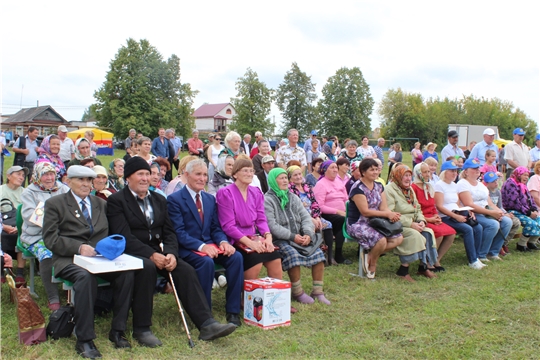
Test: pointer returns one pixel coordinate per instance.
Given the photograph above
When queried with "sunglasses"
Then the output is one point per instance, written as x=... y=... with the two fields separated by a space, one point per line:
x=218 y=138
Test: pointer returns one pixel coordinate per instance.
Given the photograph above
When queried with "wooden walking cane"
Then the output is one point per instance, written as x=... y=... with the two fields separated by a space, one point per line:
x=190 y=341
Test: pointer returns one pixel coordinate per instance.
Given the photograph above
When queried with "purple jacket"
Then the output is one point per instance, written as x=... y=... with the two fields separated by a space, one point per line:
x=513 y=199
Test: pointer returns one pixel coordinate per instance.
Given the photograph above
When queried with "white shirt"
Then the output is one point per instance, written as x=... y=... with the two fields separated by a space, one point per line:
x=479 y=193
x=66 y=149
x=86 y=202
x=451 y=197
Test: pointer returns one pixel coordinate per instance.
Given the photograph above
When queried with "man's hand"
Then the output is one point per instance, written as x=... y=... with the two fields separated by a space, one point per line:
x=87 y=250
x=172 y=262
x=210 y=251
x=227 y=248
x=160 y=260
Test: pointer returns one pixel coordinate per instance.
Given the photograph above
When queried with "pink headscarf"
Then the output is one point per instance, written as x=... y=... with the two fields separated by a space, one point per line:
x=516 y=175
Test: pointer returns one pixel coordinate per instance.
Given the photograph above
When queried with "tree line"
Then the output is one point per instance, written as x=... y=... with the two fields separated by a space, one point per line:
x=142 y=90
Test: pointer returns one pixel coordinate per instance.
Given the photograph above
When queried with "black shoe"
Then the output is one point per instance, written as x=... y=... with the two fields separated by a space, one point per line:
x=87 y=349
x=216 y=330
x=119 y=339
x=438 y=269
x=233 y=319
x=532 y=246
x=522 y=248
x=146 y=338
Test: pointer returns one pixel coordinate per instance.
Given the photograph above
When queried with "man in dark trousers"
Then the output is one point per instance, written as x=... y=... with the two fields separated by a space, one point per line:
x=202 y=241
x=73 y=224
x=141 y=217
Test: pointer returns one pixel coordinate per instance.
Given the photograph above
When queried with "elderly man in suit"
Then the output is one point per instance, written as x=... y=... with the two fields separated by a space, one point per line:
x=141 y=217
x=202 y=242
x=73 y=224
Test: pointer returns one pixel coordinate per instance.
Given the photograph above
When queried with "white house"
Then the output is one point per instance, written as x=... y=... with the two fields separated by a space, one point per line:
x=210 y=117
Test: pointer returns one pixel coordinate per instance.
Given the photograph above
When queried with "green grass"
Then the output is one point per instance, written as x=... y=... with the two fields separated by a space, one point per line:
x=463 y=314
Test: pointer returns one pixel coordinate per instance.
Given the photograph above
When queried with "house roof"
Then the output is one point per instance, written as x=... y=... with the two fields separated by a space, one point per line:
x=209 y=110
x=40 y=114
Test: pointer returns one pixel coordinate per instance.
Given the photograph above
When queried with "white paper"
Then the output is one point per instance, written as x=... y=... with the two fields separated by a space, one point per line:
x=463 y=208
x=37 y=216
x=99 y=264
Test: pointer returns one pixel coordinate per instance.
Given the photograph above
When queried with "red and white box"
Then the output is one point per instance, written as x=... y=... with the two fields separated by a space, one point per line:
x=267 y=303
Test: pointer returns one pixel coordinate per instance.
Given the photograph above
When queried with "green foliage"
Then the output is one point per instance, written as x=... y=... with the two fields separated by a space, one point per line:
x=346 y=105
x=252 y=104
x=89 y=114
x=144 y=92
x=408 y=115
x=294 y=98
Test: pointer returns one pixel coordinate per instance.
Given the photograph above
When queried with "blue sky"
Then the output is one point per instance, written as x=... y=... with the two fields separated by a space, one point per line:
x=58 y=52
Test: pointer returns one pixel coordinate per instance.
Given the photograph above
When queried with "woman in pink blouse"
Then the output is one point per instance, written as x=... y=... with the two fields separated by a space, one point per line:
x=241 y=214
x=331 y=196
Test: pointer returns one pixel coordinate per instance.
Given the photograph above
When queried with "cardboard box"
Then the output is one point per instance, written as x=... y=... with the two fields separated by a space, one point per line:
x=267 y=303
x=99 y=264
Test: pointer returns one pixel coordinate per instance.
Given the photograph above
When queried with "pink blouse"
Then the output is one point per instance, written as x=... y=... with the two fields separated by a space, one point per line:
x=331 y=195
x=239 y=218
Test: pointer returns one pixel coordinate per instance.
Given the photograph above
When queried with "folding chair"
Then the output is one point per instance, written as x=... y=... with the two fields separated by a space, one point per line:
x=27 y=255
x=349 y=238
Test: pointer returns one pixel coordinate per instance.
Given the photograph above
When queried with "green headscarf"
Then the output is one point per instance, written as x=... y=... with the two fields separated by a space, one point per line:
x=283 y=195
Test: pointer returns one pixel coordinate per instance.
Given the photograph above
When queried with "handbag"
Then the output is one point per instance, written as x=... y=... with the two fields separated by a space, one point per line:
x=61 y=322
x=30 y=317
x=470 y=220
x=8 y=217
x=385 y=226
x=309 y=249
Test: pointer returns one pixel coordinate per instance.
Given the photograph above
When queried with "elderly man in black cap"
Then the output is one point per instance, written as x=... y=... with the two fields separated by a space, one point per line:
x=452 y=149
x=73 y=224
x=141 y=216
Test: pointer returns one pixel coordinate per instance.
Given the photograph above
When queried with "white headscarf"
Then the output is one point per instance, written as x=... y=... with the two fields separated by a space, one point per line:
x=418 y=179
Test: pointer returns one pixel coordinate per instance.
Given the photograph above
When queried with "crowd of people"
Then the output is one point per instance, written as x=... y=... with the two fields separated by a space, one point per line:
x=236 y=205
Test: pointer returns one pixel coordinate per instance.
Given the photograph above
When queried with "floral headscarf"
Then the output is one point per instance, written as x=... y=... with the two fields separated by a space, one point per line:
x=397 y=178
x=516 y=175
x=327 y=149
x=282 y=195
x=41 y=169
x=418 y=179
x=46 y=156
x=324 y=166
x=115 y=181
x=78 y=155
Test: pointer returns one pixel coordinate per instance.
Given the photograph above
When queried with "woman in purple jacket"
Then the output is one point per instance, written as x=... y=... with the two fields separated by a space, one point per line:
x=517 y=200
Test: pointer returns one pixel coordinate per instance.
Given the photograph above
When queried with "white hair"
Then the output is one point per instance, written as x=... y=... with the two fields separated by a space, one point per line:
x=230 y=136
x=193 y=164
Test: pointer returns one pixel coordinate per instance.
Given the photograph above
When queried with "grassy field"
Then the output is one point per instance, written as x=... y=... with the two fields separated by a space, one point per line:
x=463 y=314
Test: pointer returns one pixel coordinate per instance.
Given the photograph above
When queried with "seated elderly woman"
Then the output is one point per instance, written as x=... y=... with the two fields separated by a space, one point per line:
x=298 y=187
x=232 y=145
x=495 y=226
x=44 y=186
x=517 y=199
x=534 y=184
x=293 y=232
x=331 y=196
x=425 y=194
x=164 y=168
x=242 y=218
x=82 y=151
x=155 y=179
x=418 y=240
x=367 y=199
x=116 y=175
x=180 y=180
x=222 y=174
x=48 y=152
x=100 y=183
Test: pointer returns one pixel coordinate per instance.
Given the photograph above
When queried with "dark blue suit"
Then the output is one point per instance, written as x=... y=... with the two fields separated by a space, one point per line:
x=191 y=233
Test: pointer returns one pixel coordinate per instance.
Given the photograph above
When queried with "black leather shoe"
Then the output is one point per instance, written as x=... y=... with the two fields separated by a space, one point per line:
x=522 y=248
x=87 y=349
x=532 y=246
x=233 y=319
x=146 y=338
x=216 y=330
x=119 y=339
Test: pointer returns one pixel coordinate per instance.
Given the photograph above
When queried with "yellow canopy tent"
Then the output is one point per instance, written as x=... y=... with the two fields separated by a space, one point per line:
x=103 y=139
x=500 y=142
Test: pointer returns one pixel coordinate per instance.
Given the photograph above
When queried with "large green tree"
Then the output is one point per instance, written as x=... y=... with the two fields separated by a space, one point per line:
x=143 y=91
x=295 y=99
x=252 y=104
x=346 y=105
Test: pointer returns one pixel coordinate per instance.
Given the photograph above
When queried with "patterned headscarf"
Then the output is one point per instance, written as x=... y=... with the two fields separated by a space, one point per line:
x=516 y=175
x=41 y=169
x=78 y=155
x=327 y=149
x=324 y=166
x=116 y=181
x=397 y=178
x=418 y=179
x=292 y=169
x=46 y=156
x=282 y=195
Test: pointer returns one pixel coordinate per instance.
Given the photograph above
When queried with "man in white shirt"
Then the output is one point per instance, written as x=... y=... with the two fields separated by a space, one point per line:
x=517 y=153
x=67 y=147
x=535 y=151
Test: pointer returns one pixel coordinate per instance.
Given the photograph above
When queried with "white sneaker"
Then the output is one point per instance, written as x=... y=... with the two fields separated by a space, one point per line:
x=477 y=265
x=496 y=258
x=222 y=281
x=484 y=259
x=215 y=284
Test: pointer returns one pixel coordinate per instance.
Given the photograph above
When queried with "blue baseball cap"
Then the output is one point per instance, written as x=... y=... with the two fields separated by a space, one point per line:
x=471 y=164
x=314 y=132
x=449 y=165
x=490 y=177
x=537 y=137
x=519 y=131
x=112 y=246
